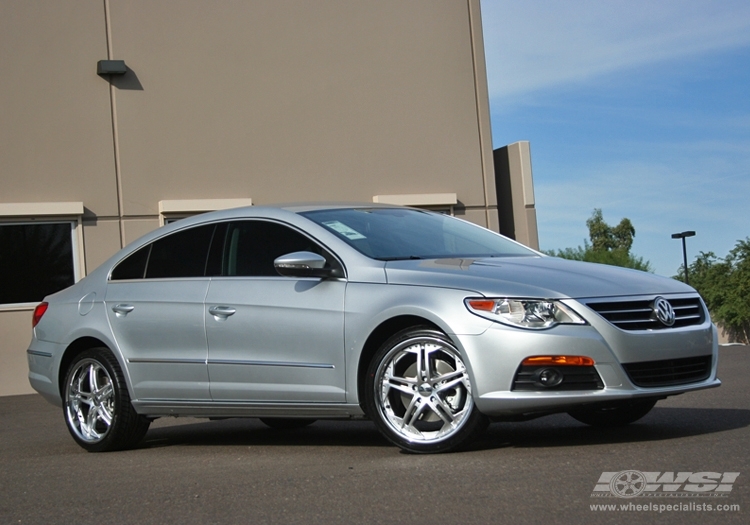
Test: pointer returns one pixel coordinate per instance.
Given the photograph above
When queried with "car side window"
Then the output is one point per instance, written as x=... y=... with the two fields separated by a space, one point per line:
x=251 y=247
x=134 y=266
x=180 y=254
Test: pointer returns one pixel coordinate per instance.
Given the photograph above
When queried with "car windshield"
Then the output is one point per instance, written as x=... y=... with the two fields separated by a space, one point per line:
x=390 y=234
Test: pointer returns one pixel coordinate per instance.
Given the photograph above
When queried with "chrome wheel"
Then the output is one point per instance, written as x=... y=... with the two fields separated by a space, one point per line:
x=97 y=406
x=90 y=401
x=422 y=393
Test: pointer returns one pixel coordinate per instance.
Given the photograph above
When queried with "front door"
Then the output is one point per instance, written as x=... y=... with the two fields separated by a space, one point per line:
x=273 y=338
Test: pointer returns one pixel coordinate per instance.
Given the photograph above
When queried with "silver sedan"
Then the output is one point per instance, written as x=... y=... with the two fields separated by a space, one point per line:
x=428 y=325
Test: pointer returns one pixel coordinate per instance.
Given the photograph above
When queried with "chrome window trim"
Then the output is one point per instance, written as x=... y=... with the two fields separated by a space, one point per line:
x=218 y=222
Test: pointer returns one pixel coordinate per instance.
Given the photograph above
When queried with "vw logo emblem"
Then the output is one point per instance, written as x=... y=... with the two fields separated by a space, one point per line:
x=664 y=311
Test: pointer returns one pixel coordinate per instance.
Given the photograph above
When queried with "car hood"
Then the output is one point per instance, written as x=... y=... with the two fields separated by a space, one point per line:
x=537 y=276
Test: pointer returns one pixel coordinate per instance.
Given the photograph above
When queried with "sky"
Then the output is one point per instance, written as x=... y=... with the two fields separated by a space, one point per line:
x=640 y=108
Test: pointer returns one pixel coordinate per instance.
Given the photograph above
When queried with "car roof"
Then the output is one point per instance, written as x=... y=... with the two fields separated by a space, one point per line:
x=283 y=212
x=316 y=206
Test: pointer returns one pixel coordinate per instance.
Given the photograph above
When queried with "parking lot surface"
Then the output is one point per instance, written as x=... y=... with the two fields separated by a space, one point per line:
x=239 y=471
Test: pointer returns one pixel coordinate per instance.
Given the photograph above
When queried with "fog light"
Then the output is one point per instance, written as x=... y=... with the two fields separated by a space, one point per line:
x=549 y=377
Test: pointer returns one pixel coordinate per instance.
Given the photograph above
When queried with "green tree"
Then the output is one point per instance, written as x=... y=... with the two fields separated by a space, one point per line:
x=609 y=245
x=725 y=286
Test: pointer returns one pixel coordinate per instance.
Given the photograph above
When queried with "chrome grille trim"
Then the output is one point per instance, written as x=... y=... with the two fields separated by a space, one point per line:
x=638 y=313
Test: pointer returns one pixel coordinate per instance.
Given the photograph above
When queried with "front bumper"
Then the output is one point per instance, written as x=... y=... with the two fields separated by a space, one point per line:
x=495 y=355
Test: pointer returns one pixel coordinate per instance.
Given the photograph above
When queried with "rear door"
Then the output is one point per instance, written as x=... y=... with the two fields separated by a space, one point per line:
x=155 y=307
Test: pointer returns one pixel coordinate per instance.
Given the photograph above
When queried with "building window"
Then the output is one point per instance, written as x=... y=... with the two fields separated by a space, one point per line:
x=36 y=259
x=41 y=253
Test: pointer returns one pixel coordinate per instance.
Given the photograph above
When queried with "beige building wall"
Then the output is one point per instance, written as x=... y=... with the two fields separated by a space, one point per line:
x=55 y=127
x=269 y=100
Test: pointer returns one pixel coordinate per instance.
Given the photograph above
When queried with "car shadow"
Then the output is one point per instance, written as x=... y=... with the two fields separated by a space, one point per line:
x=252 y=432
x=660 y=424
x=558 y=430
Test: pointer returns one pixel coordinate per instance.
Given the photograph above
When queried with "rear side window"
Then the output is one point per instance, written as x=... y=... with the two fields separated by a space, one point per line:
x=181 y=254
x=134 y=267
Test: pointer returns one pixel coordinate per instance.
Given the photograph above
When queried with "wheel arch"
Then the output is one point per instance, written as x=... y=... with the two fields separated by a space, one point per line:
x=74 y=349
x=380 y=335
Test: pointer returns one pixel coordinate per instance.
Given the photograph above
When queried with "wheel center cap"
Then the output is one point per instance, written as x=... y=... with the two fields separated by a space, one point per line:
x=425 y=389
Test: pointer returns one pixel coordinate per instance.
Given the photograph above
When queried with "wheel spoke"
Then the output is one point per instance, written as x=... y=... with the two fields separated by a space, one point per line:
x=104 y=393
x=91 y=419
x=442 y=410
x=412 y=413
x=105 y=415
x=450 y=375
x=402 y=384
x=420 y=364
x=451 y=384
x=93 y=380
x=426 y=368
x=83 y=424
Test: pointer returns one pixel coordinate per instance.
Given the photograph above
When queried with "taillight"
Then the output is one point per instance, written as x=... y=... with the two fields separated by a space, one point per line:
x=38 y=313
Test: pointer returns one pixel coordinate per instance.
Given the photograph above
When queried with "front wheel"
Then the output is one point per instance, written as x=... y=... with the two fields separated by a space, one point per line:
x=614 y=416
x=97 y=405
x=418 y=393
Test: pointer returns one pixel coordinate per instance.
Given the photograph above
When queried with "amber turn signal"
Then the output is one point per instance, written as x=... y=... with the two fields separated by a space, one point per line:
x=482 y=304
x=558 y=360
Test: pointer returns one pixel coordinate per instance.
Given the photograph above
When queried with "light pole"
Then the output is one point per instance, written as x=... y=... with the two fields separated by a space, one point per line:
x=682 y=236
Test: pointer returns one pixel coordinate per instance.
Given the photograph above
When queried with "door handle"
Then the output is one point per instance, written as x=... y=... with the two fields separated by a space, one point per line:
x=221 y=313
x=121 y=310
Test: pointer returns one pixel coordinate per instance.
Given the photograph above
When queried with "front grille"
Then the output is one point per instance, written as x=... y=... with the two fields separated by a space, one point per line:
x=574 y=378
x=669 y=372
x=639 y=315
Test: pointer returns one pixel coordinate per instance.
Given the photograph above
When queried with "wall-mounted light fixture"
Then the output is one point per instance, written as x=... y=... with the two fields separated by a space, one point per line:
x=111 y=67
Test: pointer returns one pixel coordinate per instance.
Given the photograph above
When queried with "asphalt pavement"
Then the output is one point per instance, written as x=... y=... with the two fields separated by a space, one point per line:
x=239 y=471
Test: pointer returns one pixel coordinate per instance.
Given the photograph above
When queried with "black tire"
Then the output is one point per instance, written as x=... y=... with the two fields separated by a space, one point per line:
x=425 y=410
x=96 y=404
x=614 y=416
x=286 y=423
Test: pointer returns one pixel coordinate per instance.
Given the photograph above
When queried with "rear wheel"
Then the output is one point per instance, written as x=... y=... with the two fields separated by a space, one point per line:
x=614 y=416
x=418 y=393
x=97 y=406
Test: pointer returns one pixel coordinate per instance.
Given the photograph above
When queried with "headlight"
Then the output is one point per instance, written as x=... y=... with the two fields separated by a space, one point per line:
x=525 y=313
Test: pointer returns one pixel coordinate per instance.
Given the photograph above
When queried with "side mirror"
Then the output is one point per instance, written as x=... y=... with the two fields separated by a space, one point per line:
x=303 y=264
